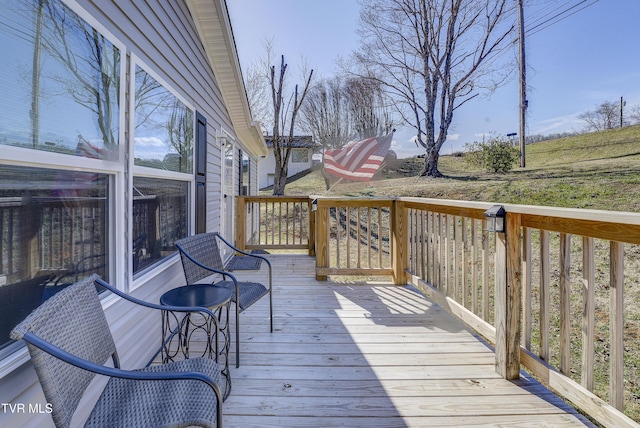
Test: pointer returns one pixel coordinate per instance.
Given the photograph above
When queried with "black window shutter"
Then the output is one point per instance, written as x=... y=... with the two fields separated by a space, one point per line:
x=201 y=173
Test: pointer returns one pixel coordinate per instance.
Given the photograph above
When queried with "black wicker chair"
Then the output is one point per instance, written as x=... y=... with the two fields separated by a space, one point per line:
x=201 y=259
x=69 y=342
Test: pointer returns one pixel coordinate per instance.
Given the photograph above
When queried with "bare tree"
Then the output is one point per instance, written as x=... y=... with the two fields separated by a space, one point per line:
x=257 y=86
x=284 y=115
x=340 y=110
x=324 y=115
x=432 y=56
x=368 y=107
x=634 y=114
x=605 y=116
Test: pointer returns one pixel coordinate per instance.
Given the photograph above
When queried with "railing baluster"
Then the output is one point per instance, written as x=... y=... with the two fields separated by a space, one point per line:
x=369 y=237
x=616 y=327
x=545 y=279
x=456 y=258
x=464 y=270
x=485 y=271
x=338 y=227
x=423 y=254
x=565 y=307
x=348 y=237
x=588 y=312
x=380 y=239
x=526 y=284
x=474 y=265
x=358 y=235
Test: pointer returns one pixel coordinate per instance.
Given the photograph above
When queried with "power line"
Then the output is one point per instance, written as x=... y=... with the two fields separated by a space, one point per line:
x=541 y=14
x=546 y=11
x=561 y=19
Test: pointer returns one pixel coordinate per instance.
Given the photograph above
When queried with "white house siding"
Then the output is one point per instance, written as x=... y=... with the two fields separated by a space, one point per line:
x=163 y=35
x=267 y=166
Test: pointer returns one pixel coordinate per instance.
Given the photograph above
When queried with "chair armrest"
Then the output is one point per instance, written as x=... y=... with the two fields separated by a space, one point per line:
x=115 y=372
x=153 y=305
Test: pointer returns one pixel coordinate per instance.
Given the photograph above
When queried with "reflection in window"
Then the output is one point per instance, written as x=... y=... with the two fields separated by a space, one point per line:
x=299 y=155
x=159 y=219
x=53 y=230
x=163 y=127
x=244 y=183
x=59 y=79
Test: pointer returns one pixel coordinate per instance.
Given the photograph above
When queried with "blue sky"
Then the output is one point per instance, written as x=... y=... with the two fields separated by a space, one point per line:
x=574 y=65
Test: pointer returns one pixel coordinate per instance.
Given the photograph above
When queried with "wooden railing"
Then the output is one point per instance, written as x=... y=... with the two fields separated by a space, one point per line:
x=354 y=237
x=275 y=223
x=549 y=293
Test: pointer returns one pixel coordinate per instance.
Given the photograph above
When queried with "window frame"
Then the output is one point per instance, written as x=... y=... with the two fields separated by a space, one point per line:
x=134 y=281
x=115 y=170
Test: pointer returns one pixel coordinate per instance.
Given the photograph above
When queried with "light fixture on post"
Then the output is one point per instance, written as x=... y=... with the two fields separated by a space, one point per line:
x=495 y=218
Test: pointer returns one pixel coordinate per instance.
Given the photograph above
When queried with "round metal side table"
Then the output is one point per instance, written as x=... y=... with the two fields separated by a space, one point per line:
x=180 y=334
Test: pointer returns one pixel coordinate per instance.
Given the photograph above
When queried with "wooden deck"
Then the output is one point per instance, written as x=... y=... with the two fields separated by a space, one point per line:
x=370 y=355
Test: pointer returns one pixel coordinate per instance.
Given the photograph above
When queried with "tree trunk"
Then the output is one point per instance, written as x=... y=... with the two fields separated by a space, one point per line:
x=327 y=181
x=431 y=165
x=280 y=180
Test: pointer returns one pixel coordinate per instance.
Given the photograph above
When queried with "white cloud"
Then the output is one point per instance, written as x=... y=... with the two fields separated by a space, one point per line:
x=148 y=142
x=565 y=123
x=453 y=137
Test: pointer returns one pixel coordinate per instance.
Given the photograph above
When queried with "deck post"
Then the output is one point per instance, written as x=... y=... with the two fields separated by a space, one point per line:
x=400 y=244
x=322 y=237
x=508 y=298
x=241 y=223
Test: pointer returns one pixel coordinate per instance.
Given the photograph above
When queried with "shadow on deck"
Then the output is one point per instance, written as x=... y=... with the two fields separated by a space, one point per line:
x=371 y=354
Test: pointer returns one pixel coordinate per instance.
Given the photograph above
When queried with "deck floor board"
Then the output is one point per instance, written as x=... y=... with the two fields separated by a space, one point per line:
x=370 y=355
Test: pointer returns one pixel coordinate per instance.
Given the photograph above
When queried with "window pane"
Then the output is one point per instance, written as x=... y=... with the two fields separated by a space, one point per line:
x=299 y=155
x=159 y=218
x=163 y=127
x=53 y=230
x=59 y=80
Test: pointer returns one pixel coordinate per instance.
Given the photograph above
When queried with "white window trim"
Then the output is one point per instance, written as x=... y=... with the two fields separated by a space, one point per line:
x=142 y=171
x=20 y=156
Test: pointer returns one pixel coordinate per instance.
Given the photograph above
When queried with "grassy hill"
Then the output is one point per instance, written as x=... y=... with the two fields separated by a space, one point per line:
x=598 y=170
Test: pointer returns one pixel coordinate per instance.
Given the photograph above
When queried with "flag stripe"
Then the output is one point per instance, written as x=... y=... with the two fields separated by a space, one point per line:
x=358 y=161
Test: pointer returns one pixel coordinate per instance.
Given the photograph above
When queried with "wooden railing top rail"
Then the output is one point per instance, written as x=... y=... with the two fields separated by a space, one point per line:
x=355 y=202
x=610 y=225
x=271 y=198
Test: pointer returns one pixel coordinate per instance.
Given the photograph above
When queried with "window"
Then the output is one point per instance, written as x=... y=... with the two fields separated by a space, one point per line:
x=60 y=80
x=244 y=176
x=53 y=225
x=69 y=197
x=163 y=173
x=163 y=127
x=299 y=155
x=159 y=218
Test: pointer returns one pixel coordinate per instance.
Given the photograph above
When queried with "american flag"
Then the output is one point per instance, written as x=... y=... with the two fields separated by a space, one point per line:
x=359 y=160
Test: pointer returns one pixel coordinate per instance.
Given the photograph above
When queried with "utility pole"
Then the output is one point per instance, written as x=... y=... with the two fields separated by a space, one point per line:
x=523 y=83
x=622 y=103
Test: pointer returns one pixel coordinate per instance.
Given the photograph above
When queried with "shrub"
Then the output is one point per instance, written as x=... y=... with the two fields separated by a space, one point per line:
x=496 y=155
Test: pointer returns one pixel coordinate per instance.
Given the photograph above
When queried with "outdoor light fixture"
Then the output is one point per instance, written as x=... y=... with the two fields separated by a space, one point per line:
x=495 y=218
x=314 y=205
